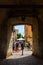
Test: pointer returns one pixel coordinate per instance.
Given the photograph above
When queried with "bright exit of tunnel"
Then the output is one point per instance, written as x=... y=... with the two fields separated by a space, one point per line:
x=25 y=32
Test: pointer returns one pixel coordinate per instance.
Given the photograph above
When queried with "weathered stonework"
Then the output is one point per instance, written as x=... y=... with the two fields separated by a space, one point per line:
x=40 y=38
x=6 y=23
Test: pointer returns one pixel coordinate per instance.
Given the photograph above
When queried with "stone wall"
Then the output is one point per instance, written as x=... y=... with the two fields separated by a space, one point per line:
x=6 y=34
x=35 y=37
x=28 y=33
x=3 y=42
x=40 y=38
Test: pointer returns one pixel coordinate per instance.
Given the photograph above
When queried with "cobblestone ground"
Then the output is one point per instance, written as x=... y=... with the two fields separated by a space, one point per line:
x=26 y=59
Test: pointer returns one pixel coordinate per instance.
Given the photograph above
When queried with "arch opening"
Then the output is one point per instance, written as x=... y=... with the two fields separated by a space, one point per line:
x=28 y=21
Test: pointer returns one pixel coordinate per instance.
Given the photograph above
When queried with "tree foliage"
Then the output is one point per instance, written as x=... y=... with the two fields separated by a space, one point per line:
x=19 y=35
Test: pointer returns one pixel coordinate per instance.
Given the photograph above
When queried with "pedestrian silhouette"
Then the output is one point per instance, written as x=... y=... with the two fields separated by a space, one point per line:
x=13 y=44
x=22 y=47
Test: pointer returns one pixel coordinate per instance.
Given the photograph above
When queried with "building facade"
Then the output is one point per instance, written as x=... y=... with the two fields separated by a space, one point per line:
x=28 y=33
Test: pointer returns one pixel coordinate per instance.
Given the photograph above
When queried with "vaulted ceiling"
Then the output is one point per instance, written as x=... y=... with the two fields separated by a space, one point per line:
x=12 y=8
x=19 y=2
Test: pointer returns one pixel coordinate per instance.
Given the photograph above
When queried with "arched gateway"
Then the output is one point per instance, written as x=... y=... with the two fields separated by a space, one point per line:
x=18 y=16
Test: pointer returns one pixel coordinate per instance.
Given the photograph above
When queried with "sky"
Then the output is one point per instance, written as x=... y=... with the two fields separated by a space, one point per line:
x=20 y=28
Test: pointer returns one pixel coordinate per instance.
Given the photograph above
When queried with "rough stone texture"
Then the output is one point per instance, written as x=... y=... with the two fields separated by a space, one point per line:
x=34 y=24
x=28 y=33
x=14 y=21
x=40 y=38
x=3 y=43
x=9 y=40
x=35 y=37
x=28 y=30
x=6 y=24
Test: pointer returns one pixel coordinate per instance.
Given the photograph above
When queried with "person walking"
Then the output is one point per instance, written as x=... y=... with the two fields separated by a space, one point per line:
x=22 y=47
x=13 y=45
x=17 y=46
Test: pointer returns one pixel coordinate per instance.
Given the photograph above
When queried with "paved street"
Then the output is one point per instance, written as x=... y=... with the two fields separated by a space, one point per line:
x=18 y=54
x=26 y=59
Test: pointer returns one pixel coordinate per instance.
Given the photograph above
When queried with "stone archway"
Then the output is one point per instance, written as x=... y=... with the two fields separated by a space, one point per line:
x=6 y=30
x=30 y=21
